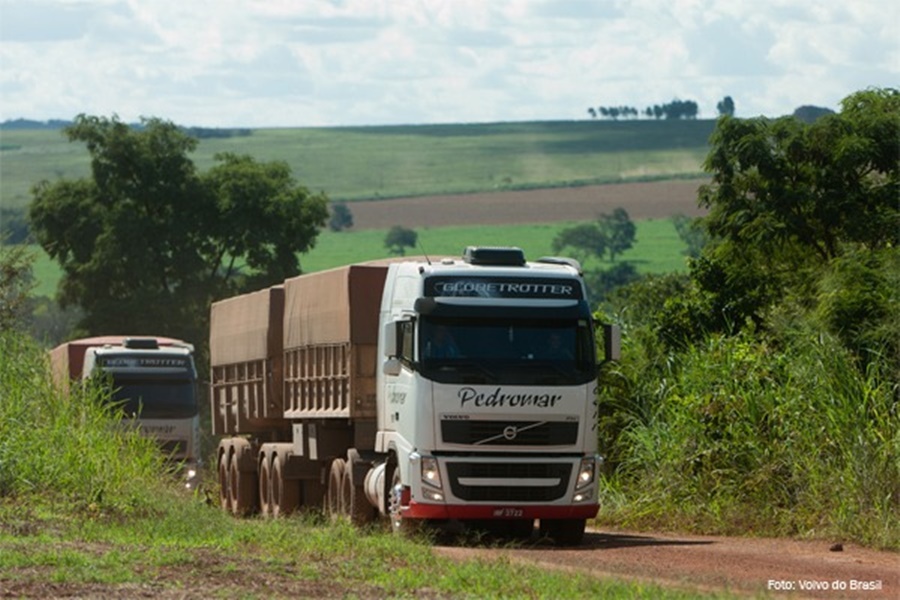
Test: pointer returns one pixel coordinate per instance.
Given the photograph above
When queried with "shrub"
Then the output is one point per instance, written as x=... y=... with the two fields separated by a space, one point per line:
x=68 y=446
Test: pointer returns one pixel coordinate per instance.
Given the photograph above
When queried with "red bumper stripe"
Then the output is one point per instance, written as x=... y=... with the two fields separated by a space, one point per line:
x=468 y=511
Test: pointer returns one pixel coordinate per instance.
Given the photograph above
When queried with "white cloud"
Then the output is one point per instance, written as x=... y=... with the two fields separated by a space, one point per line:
x=317 y=62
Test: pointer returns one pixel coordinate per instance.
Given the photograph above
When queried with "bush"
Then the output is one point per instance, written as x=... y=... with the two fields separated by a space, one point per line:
x=735 y=435
x=68 y=446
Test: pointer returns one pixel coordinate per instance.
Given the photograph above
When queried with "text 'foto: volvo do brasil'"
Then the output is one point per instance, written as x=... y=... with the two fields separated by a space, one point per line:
x=420 y=390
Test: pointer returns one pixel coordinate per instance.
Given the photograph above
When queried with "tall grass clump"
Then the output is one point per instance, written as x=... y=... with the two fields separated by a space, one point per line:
x=68 y=447
x=746 y=434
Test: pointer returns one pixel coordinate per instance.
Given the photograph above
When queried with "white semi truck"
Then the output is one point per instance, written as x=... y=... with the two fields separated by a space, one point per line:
x=153 y=384
x=419 y=390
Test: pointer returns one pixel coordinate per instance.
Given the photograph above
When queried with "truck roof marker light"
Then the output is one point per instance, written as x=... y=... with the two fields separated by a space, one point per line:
x=494 y=256
x=141 y=343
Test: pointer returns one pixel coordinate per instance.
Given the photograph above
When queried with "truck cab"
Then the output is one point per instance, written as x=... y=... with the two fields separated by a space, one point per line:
x=488 y=379
x=155 y=386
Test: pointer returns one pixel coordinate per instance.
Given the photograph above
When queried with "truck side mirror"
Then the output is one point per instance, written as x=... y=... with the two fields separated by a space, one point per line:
x=391 y=366
x=390 y=339
x=612 y=342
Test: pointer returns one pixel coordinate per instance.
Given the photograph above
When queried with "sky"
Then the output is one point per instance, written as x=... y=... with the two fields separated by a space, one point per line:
x=309 y=63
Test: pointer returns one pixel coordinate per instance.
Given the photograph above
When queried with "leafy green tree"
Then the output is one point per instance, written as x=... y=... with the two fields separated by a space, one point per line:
x=581 y=241
x=692 y=233
x=341 y=217
x=726 y=107
x=784 y=183
x=619 y=231
x=399 y=238
x=146 y=242
x=16 y=282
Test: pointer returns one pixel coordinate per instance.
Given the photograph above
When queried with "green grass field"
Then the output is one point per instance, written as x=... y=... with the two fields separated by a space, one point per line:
x=658 y=249
x=352 y=163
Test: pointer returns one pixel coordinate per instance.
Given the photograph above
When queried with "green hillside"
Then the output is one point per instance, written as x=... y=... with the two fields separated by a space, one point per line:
x=353 y=163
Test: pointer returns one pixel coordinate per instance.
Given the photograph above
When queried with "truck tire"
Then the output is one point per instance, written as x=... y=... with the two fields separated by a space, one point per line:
x=564 y=532
x=242 y=489
x=223 y=456
x=333 y=505
x=399 y=525
x=353 y=497
x=284 y=493
x=265 y=483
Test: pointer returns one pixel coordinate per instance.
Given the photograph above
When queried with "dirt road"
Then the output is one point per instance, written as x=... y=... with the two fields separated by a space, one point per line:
x=776 y=568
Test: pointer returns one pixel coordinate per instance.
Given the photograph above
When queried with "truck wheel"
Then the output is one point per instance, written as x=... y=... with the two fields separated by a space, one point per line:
x=265 y=484
x=564 y=532
x=333 y=504
x=399 y=525
x=242 y=489
x=354 y=499
x=223 y=456
x=285 y=493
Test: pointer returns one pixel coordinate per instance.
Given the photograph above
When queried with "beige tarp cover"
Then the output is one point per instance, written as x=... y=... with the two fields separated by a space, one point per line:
x=247 y=327
x=335 y=306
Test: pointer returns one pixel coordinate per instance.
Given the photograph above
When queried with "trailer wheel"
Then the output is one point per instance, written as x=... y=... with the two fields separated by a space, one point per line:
x=265 y=484
x=333 y=505
x=284 y=493
x=242 y=489
x=564 y=532
x=223 y=456
x=353 y=497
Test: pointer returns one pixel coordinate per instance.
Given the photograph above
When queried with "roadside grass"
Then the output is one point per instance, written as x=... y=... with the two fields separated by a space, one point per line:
x=657 y=249
x=87 y=509
x=354 y=163
x=752 y=435
x=194 y=548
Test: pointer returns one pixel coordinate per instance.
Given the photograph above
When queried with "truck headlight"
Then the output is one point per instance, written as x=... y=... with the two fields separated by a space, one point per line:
x=586 y=472
x=431 y=477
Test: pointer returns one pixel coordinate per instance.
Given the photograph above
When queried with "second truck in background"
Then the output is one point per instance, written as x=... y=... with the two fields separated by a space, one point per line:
x=457 y=390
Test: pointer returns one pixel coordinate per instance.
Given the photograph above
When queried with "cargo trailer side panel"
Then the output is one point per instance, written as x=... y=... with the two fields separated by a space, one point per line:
x=331 y=336
x=246 y=359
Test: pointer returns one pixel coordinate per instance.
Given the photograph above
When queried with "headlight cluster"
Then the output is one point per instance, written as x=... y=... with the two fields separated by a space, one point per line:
x=431 y=480
x=587 y=475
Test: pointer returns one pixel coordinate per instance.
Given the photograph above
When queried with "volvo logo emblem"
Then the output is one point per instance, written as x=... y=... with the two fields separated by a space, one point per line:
x=510 y=432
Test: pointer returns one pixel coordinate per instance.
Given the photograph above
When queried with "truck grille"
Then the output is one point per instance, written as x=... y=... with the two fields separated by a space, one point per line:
x=176 y=448
x=510 y=433
x=486 y=482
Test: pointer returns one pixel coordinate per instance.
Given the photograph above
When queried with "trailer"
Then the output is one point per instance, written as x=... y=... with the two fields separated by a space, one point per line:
x=153 y=382
x=455 y=390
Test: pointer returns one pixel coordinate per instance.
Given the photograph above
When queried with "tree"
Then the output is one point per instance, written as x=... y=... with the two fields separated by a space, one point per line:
x=341 y=217
x=581 y=241
x=783 y=184
x=146 y=242
x=790 y=201
x=725 y=107
x=399 y=238
x=16 y=282
x=810 y=114
x=692 y=233
x=618 y=230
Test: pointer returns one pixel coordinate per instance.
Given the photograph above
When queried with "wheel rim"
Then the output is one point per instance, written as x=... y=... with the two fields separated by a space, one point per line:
x=395 y=502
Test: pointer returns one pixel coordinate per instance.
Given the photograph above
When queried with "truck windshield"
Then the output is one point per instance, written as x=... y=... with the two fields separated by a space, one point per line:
x=514 y=351
x=156 y=398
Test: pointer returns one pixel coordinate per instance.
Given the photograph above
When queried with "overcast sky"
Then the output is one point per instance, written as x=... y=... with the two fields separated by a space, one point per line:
x=270 y=63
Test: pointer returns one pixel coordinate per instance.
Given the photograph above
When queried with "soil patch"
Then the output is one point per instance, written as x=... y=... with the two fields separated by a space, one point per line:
x=643 y=200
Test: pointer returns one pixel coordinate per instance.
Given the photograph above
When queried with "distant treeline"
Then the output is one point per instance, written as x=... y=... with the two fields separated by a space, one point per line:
x=197 y=132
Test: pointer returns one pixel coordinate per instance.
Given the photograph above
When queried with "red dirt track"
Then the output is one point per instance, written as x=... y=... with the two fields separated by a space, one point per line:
x=644 y=200
x=776 y=568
